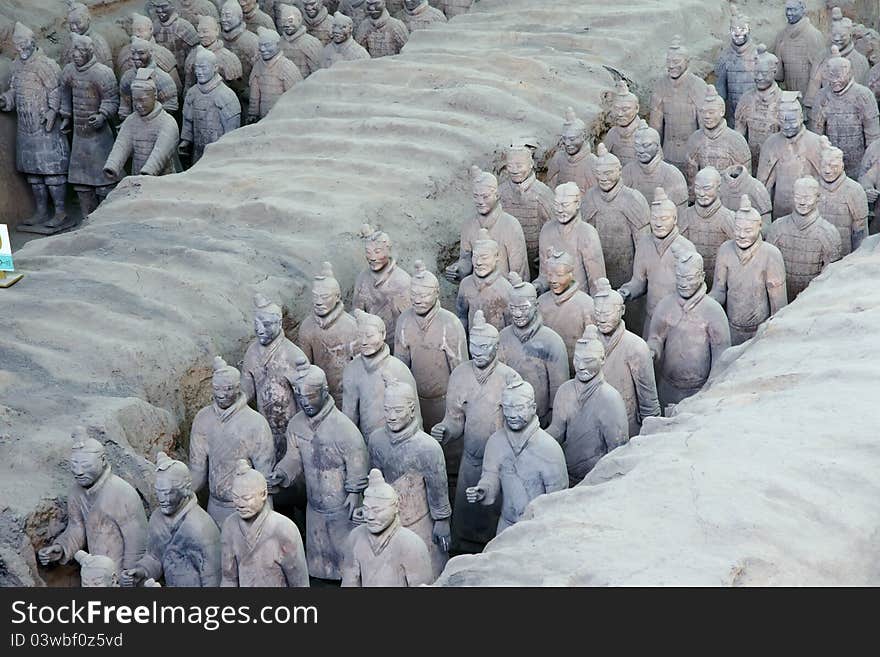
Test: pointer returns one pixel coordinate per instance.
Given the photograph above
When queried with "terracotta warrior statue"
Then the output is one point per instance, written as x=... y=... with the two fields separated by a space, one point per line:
x=414 y=464
x=222 y=433
x=847 y=112
x=735 y=68
x=149 y=136
x=418 y=14
x=526 y=198
x=317 y=20
x=676 y=103
x=649 y=171
x=486 y=290
x=175 y=33
x=328 y=335
x=381 y=34
x=787 y=155
x=808 y=242
x=327 y=450
x=628 y=367
x=141 y=54
x=105 y=514
x=842 y=201
x=589 y=414
x=736 y=181
x=620 y=139
x=536 y=352
x=453 y=7
x=89 y=99
x=298 y=45
x=521 y=460
x=572 y=161
x=842 y=39
x=383 y=287
x=96 y=570
x=269 y=369
x=503 y=228
x=619 y=213
x=568 y=230
x=272 y=75
x=565 y=307
x=473 y=413
x=239 y=40
x=193 y=10
x=356 y=10
x=363 y=384
x=210 y=109
x=654 y=264
x=342 y=46
x=381 y=552
x=715 y=144
x=41 y=151
x=183 y=543
x=688 y=333
x=259 y=546
x=707 y=223
x=870 y=176
x=79 y=21
x=799 y=46
x=757 y=113
x=254 y=17
x=228 y=64
x=142 y=28
x=749 y=276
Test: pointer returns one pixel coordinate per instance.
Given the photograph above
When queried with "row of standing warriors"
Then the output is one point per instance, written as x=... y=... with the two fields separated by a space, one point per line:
x=195 y=64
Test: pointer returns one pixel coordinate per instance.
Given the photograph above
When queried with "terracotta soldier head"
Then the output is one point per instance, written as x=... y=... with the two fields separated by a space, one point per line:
x=689 y=275
x=96 y=570
x=267 y=319
x=371 y=332
x=560 y=270
x=164 y=10
x=247 y=6
x=249 y=490
x=838 y=73
x=831 y=167
x=310 y=387
x=289 y=19
x=375 y=9
x=485 y=186
x=400 y=404
x=712 y=109
x=231 y=15
x=626 y=105
x=589 y=355
x=24 y=40
x=486 y=255
x=326 y=293
x=173 y=484
x=87 y=458
x=766 y=65
x=483 y=341
x=609 y=307
x=747 y=225
x=791 y=114
x=677 y=59
x=312 y=7
x=269 y=42
x=143 y=91
x=518 y=404
x=206 y=65
x=141 y=52
x=79 y=19
x=341 y=28
x=141 y=26
x=794 y=10
x=208 y=29
x=664 y=214
x=574 y=133
x=377 y=247
x=567 y=202
x=523 y=303
x=606 y=169
x=424 y=289
x=739 y=27
x=520 y=163
x=83 y=50
x=841 y=29
x=380 y=503
x=646 y=142
x=225 y=383
x=707 y=185
x=806 y=196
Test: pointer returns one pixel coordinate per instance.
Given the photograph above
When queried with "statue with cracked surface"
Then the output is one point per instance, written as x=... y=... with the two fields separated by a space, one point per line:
x=572 y=161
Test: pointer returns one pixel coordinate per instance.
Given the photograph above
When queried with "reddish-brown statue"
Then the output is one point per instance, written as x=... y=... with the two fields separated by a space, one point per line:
x=572 y=161
x=707 y=223
x=381 y=34
x=342 y=46
x=842 y=201
x=800 y=47
x=649 y=171
x=757 y=113
x=620 y=139
x=735 y=68
x=736 y=181
x=298 y=45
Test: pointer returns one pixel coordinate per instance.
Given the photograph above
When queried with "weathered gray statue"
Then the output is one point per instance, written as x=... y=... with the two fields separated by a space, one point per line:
x=105 y=514
x=259 y=547
x=381 y=34
x=240 y=41
x=757 y=113
x=418 y=14
x=298 y=45
x=688 y=333
x=799 y=46
x=228 y=64
x=473 y=413
x=254 y=17
x=628 y=366
x=649 y=171
x=842 y=201
x=183 y=543
x=272 y=75
x=41 y=151
x=573 y=161
x=414 y=464
x=342 y=46
x=141 y=54
x=535 y=351
x=381 y=552
x=96 y=570
x=486 y=290
x=194 y=10
x=707 y=223
x=317 y=20
x=521 y=461
x=749 y=276
x=223 y=433
x=354 y=9
x=142 y=28
x=842 y=40
x=175 y=33
x=735 y=68
x=79 y=21
x=325 y=448
x=736 y=181
x=620 y=139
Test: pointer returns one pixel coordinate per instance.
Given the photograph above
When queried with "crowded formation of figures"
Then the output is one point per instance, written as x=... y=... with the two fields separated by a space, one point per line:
x=418 y=432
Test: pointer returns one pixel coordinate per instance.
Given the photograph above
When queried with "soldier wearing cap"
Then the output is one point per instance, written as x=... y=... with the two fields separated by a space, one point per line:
x=573 y=161
x=183 y=543
x=487 y=288
x=327 y=450
x=222 y=433
x=707 y=223
x=342 y=47
x=79 y=20
x=382 y=552
x=142 y=27
x=105 y=514
x=536 y=352
x=799 y=46
x=227 y=63
x=521 y=462
x=271 y=76
x=757 y=113
x=749 y=276
x=141 y=54
x=96 y=570
x=620 y=139
x=734 y=70
x=649 y=171
x=298 y=45
x=172 y=31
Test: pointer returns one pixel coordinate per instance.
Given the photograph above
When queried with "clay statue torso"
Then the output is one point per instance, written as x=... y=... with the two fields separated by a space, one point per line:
x=383 y=37
x=757 y=117
x=620 y=141
x=490 y=294
x=721 y=147
x=454 y=7
x=320 y=26
x=507 y=232
x=244 y=45
x=209 y=112
x=166 y=91
x=783 y=161
x=269 y=80
x=163 y=58
x=178 y=35
x=737 y=181
x=645 y=178
x=577 y=168
x=629 y=369
x=330 y=343
x=102 y=50
x=844 y=205
x=424 y=16
x=568 y=314
x=531 y=203
x=228 y=65
x=808 y=245
x=267 y=553
x=707 y=229
x=850 y=120
x=799 y=48
x=401 y=559
x=580 y=240
x=304 y=50
x=384 y=294
x=351 y=50
x=674 y=114
x=150 y=140
x=735 y=75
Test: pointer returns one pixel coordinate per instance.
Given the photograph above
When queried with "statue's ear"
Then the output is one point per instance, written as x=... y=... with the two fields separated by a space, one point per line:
x=623 y=310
